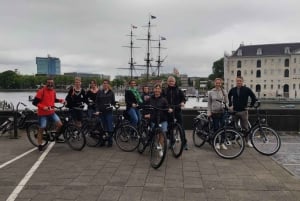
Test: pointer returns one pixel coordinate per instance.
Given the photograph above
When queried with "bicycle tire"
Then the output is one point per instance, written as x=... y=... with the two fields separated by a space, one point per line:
x=144 y=134
x=32 y=131
x=177 y=140
x=234 y=142
x=198 y=137
x=265 y=140
x=158 y=150
x=127 y=138
x=74 y=137
x=92 y=135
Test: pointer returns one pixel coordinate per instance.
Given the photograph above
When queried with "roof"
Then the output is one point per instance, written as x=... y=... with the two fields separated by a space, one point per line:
x=268 y=49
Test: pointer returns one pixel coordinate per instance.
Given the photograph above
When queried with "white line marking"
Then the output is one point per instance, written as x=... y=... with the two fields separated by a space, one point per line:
x=29 y=174
x=16 y=158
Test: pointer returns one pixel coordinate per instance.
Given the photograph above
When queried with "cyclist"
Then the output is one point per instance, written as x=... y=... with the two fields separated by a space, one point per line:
x=44 y=100
x=106 y=97
x=133 y=100
x=91 y=97
x=75 y=99
x=238 y=101
x=216 y=97
x=175 y=96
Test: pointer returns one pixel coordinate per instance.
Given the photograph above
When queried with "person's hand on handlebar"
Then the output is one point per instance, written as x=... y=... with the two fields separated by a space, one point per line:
x=182 y=104
x=170 y=110
x=134 y=105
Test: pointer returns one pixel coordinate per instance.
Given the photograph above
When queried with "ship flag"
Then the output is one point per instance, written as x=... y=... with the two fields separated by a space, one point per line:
x=153 y=17
x=163 y=38
x=134 y=27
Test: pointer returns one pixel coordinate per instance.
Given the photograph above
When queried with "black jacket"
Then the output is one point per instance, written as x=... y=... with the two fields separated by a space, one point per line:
x=130 y=99
x=75 y=99
x=240 y=102
x=174 y=96
x=103 y=100
x=159 y=102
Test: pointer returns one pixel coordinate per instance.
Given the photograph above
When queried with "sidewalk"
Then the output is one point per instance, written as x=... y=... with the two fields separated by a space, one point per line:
x=111 y=174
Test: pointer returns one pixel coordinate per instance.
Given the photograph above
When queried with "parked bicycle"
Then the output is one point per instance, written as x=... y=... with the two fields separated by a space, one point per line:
x=72 y=134
x=203 y=132
x=24 y=118
x=264 y=139
x=156 y=139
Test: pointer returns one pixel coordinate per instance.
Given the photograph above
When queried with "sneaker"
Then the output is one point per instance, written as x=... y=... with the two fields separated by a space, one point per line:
x=160 y=151
x=59 y=140
x=249 y=144
x=217 y=146
x=40 y=148
x=186 y=147
x=223 y=146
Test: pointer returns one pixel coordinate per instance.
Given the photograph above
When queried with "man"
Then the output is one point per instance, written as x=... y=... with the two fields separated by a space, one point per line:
x=238 y=101
x=175 y=97
x=44 y=100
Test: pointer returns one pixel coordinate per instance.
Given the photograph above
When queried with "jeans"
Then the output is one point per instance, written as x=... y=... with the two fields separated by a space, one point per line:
x=135 y=116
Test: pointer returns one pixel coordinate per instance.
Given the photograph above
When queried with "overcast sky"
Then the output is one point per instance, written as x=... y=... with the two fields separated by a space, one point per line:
x=88 y=35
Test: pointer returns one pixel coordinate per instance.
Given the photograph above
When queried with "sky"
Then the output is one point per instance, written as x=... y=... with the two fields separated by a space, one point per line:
x=89 y=35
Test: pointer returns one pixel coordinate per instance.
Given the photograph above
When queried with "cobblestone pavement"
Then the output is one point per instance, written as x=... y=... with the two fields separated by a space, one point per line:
x=105 y=174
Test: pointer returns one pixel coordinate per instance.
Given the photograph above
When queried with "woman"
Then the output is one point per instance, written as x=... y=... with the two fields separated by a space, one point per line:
x=75 y=101
x=215 y=110
x=133 y=99
x=91 y=97
x=104 y=99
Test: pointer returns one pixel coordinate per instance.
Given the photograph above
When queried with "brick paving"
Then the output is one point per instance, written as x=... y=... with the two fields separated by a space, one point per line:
x=109 y=174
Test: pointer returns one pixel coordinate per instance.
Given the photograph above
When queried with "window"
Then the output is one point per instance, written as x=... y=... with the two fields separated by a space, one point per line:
x=251 y=86
x=257 y=88
x=286 y=63
x=232 y=72
x=295 y=70
x=271 y=86
x=294 y=86
x=240 y=53
x=251 y=72
x=295 y=60
x=258 y=74
x=239 y=64
x=238 y=73
x=286 y=73
x=265 y=86
x=259 y=51
x=278 y=86
x=258 y=63
x=287 y=50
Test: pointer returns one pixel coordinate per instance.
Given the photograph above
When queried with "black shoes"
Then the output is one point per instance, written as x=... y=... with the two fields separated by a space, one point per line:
x=40 y=148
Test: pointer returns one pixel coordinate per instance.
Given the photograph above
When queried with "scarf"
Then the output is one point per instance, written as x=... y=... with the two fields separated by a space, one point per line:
x=136 y=94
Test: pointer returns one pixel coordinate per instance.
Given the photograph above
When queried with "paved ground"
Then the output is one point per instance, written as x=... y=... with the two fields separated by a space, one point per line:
x=110 y=174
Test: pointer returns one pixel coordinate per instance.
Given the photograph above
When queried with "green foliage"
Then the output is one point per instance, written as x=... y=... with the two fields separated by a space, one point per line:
x=218 y=69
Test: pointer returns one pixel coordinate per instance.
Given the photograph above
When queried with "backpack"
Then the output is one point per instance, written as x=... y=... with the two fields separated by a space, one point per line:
x=36 y=100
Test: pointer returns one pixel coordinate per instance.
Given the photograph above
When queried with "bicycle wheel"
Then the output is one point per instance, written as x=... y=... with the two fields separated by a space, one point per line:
x=144 y=135
x=176 y=140
x=265 y=140
x=158 y=149
x=74 y=137
x=199 y=137
x=127 y=138
x=92 y=134
x=32 y=132
x=233 y=141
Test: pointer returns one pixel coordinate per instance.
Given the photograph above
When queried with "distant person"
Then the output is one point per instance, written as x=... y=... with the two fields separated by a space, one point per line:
x=104 y=100
x=175 y=97
x=215 y=109
x=44 y=100
x=146 y=94
x=133 y=99
x=91 y=97
x=238 y=100
x=76 y=98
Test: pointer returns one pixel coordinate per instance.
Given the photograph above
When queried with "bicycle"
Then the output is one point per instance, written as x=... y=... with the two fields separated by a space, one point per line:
x=72 y=134
x=264 y=139
x=23 y=119
x=125 y=135
x=156 y=139
x=175 y=134
x=203 y=132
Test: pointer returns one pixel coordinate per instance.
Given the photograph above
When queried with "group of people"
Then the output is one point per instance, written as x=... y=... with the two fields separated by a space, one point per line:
x=99 y=102
x=96 y=99
x=236 y=99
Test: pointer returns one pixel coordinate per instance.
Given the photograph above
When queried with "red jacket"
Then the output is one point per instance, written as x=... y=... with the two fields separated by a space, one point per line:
x=47 y=99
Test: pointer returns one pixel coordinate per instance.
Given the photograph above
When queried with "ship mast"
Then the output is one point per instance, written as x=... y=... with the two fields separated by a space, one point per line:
x=159 y=61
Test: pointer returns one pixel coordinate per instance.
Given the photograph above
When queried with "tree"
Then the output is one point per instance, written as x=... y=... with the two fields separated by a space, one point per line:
x=218 y=69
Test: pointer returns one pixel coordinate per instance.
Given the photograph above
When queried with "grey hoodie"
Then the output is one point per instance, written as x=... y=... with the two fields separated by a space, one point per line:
x=213 y=105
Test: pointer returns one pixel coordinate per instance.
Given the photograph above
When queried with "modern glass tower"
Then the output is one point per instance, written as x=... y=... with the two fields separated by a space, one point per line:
x=48 y=65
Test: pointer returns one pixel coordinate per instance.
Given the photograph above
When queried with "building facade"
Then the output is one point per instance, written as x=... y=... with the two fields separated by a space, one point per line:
x=48 y=65
x=270 y=70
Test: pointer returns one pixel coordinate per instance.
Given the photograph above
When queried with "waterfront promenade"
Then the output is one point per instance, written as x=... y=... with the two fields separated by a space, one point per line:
x=111 y=174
